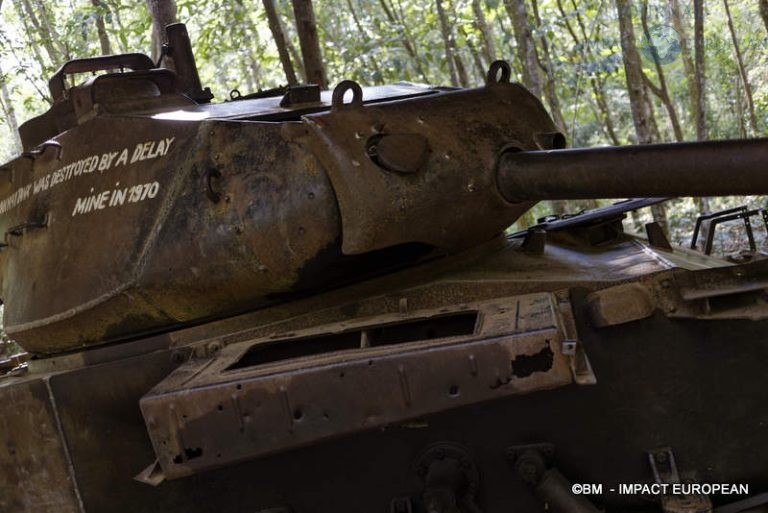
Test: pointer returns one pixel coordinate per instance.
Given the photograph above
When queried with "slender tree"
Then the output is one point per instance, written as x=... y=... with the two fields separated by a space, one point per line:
x=685 y=53
x=406 y=38
x=661 y=91
x=526 y=49
x=461 y=70
x=764 y=12
x=9 y=113
x=115 y=7
x=278 y=35
x=101 y=29
x=364 y=35
x=49 y=29
x=640 y=104
x=480 y=22
x=742 y=69
x=701 y=96
x=450 y=46
x=163 y=13
x=477 y=59
x=306 y=27
x=27 y=12
x=583 y=46
x=545 y=63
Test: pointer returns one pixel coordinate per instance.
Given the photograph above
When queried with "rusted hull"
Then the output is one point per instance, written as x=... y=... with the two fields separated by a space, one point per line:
x=645 y=398
x=673 y=374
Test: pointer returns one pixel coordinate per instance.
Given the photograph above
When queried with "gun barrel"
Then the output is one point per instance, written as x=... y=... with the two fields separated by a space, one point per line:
x=711 y=168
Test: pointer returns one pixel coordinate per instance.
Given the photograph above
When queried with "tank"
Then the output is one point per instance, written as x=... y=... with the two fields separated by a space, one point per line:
x=306 y=301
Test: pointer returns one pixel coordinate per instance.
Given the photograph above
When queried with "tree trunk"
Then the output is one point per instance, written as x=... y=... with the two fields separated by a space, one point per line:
x=9 y=113
x=550 y=91
x=306 y=27
x=163 y=13
x=489 y=52
x=764 y=12
x=448 y=42
x=34 y=81
x=742 y=70
x=458 y=61
x=701 y=96
x=28 y=31
x=50 y=30
x=101 y=29
x=46 y=37
x=279 y=37
x=702 y=204
x=661 y=91
x=526 y=50
x=640 y=104
x=685 y=52
x=406 y=38
x=122 y=42
x=740 y=110
x=596 y=82
x=476 y=58
x=364 y=36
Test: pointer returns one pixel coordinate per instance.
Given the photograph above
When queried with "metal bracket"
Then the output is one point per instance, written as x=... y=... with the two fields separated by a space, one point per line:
x=664 y=469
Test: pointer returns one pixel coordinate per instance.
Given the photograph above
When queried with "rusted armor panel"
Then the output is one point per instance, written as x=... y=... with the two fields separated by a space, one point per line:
x=34 y=468
x=141 y=244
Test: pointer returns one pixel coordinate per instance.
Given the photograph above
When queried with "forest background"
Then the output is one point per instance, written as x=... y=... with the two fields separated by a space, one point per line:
x=610 y=72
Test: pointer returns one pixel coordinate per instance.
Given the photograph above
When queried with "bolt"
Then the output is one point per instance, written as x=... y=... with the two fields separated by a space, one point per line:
x=527 y=470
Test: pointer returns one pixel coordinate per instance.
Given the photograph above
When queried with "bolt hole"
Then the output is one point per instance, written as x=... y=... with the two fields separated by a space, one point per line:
x=220 y=407
x=453 y=391
x=239 y=387
x=298 y=414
